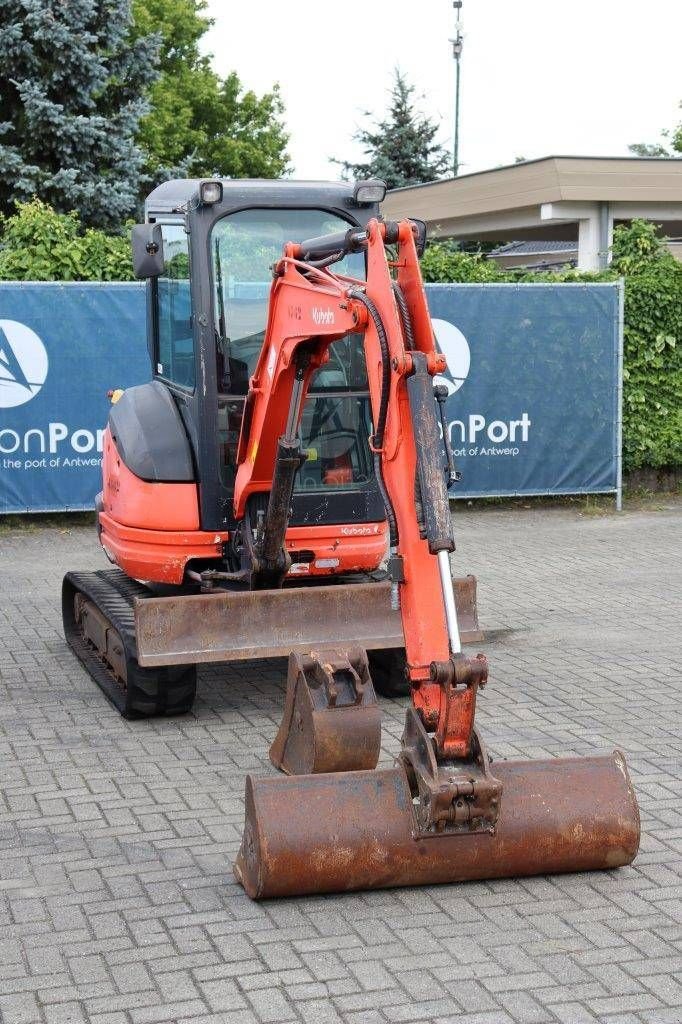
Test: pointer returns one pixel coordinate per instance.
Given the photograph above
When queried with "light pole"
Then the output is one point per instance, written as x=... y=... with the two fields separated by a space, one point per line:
x=457 y=44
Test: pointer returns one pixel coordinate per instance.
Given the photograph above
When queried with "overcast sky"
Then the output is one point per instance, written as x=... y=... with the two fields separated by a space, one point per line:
x=538 y=76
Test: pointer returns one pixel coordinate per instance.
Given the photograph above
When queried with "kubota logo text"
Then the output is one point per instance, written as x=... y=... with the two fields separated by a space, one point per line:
x=23 y=364
x=323 y=316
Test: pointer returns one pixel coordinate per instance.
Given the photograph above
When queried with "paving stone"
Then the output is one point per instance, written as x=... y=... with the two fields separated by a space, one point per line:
x=160 y=1014
x=365 y=1017
x=319 y=1011
x=271 y=1004
x=222 y=995
x=132 y=978
x=19 y=1008
x=64 y=1013
x=473 y=996
x=668 y=989
x=498 y=1017
x=373 y=975
x=524 y=1008
x=301 y=993
x=642 y=1001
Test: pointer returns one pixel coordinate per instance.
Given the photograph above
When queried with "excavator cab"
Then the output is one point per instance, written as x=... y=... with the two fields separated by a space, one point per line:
x=218 y=260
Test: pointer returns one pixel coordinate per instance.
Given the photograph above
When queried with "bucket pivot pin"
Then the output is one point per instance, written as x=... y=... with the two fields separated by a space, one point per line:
x=448 y=796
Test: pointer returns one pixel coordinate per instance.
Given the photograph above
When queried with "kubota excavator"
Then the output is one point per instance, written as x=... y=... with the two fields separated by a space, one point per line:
x=180 y=595
x=336 y=823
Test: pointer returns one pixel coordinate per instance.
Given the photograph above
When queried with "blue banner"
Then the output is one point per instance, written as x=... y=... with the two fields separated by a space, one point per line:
x=62 y=347
x=534 y=382
x=533 y=385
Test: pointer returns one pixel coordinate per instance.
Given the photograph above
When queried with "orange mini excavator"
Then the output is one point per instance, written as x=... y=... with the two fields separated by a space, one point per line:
x=442 y=813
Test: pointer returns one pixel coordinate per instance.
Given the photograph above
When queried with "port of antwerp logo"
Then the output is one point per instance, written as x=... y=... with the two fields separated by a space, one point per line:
x=23 y=364
x=455 y=348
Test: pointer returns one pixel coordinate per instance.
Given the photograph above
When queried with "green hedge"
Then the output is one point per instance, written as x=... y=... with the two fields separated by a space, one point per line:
x=37 y=244
x=652 y=374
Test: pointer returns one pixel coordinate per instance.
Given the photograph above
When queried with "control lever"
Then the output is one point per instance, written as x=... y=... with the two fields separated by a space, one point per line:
x=453 y=475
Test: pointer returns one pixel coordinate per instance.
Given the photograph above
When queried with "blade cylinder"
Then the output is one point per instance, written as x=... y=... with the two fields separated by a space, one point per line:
x=356 y=830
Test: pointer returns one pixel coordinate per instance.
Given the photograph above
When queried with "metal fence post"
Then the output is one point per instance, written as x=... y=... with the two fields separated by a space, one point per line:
x=619 y=395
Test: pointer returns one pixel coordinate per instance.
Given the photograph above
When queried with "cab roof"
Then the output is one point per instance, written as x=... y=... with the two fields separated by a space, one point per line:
x=172 y=195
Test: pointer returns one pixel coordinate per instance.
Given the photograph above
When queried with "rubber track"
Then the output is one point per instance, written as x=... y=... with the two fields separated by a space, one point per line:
x=149 y=692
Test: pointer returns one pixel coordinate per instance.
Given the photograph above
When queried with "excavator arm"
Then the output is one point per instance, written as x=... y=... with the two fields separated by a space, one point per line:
x=311 y=308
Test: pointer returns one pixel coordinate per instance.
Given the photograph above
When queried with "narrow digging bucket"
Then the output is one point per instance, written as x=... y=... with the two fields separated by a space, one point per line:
x=331 y=720
x=358 y=830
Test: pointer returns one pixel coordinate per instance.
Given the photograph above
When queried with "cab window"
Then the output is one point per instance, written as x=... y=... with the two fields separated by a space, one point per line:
x=244 y=246
x=174 y=340
x=336 y=419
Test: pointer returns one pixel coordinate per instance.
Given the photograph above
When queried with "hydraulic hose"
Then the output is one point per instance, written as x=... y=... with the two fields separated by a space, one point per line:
x=360 y=296
x=408 y=335
x=385 y=497
x=378 y=437
x=404 y=316
x=327 y=261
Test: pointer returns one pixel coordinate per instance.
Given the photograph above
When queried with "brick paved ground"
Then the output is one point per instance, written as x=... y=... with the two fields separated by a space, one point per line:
x=117 y=900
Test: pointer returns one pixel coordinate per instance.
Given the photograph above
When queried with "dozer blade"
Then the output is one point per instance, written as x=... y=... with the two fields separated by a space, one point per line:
x=189 y=629
x=331 y=721
x=364 y=830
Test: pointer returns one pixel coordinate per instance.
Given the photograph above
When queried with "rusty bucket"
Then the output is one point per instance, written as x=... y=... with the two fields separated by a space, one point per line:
x=358 y=830
x=331 y=720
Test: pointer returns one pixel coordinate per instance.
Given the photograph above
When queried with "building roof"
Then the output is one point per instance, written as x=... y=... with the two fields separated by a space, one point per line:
x=551 y=179
x=544 y=159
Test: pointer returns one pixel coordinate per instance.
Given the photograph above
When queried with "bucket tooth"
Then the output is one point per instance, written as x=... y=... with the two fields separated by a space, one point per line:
x=331 y=720
x=364 y=829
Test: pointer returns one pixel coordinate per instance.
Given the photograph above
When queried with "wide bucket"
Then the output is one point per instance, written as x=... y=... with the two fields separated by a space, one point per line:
x=357 y=830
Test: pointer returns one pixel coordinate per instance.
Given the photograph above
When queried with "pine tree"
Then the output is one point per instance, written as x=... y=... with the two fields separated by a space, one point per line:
x=402 y=148
x=72 y=93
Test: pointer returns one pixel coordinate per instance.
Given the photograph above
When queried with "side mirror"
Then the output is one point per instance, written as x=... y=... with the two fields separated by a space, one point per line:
x=147 y=250
x=419 y=228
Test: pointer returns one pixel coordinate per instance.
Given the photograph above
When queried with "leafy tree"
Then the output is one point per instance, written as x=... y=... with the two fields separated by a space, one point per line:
x=180 y=24
x=676 y=138
x=402 y=148
x=39 y=244
x=670 y=146
x=656 y=149
x=199 y=124
x=72 y=93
